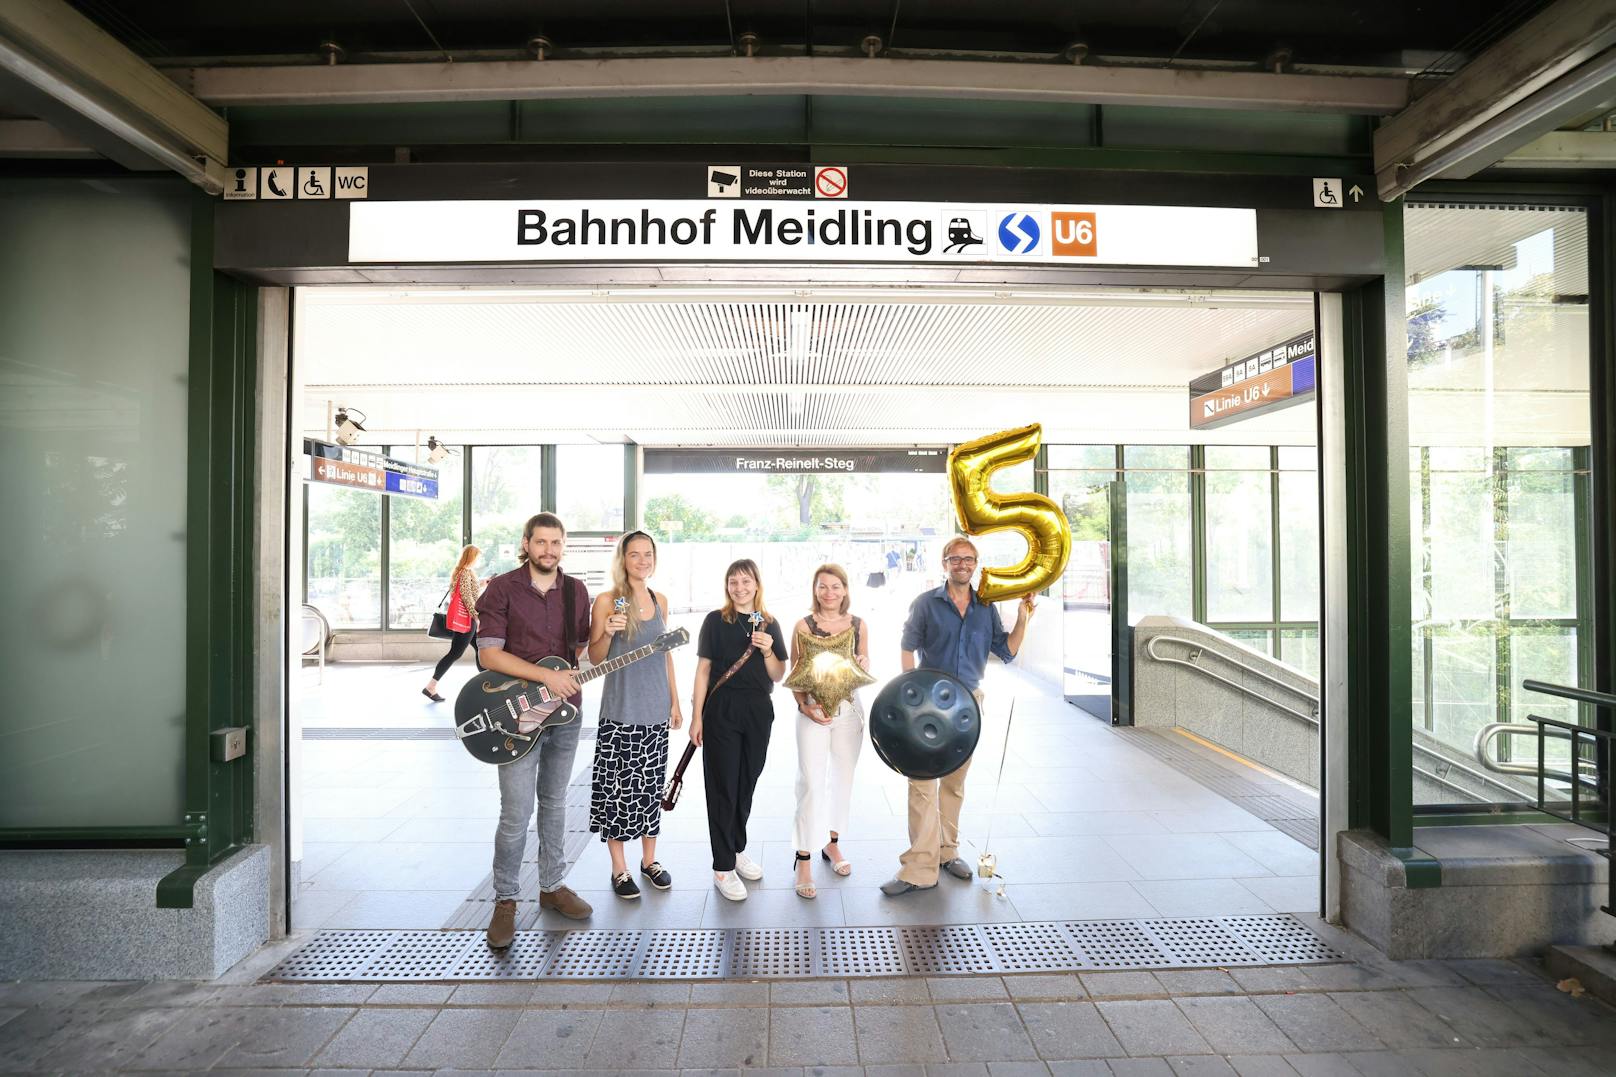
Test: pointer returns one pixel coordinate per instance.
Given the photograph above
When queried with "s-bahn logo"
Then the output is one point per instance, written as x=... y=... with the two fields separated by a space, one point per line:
x=1019 y=233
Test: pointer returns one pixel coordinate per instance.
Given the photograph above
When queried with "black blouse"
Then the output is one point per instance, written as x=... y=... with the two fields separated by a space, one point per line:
x=722 y=643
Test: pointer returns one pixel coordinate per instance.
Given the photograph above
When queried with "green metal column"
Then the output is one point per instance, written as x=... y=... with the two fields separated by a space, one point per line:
x=221 y=506
x=632 y=465
x=547 y=478
x=1379 y=619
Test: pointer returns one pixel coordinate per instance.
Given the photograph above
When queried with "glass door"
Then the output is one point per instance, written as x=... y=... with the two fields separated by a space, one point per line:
x=1082 y=480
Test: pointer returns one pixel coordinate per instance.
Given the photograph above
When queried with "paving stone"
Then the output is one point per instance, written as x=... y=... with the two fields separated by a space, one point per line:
x=293 y=995
x=650 y=994
x=1489 y=971
x=1152 y=1027
x=1569 y=1061
x=1036 y=986
x=1018 y=1069
x=984 y=1033
x=1351 y=978
x=109 y=1042
x=494 y=994
x=287 y=1036
x=1567 y=1020
x=812 y=1036
x=1233 y=1024
x=152 y=995
x=1479 y=1018
x=552 y=1038
x=898 y=1034
x=884 y=990
x=729 y=994
x=35 y=1032
x=1197 y=982
x=1140 y=1067
x=809 y=993
x=648 y=1039
x=10 y=1012
x=468 y=1038
x=1271 y=979
x=966 y=988
x=1129 y=984
x=198 y=1038
x=1464 y=1062
x=1260 y=1066
x=1080 y=1068
x=1201 y=1066
x=1398 y=1021
x=571 y=994
x=956 y=1069
x=1316 y=1023
x=411 y=995
x=1328 y=1064
x=915 y=1070
x=1069 y=1030
x=377 y=1037
x=47 y=992
x=722 y=1037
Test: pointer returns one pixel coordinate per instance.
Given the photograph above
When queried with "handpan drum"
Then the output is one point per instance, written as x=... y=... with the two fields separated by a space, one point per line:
x=925 y=724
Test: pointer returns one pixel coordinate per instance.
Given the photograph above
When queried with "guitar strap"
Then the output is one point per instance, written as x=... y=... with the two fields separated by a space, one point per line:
x=570 y=644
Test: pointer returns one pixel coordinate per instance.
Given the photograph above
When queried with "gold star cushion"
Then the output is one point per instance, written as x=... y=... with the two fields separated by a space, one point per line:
x=827 y=669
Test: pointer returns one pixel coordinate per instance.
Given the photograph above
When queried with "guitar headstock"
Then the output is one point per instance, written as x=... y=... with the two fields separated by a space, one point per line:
x=669 y=640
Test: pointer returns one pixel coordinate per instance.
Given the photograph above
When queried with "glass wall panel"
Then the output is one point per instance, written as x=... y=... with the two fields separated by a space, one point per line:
x=1298 y=539
x=1239 y=533
x=589 y=487
x=345 y=555
x=1299 y=647
x=1498 y=363
x=94 y=356
x=506 y=489
x=1160 y=542
x=1005 y=547
x=422 y=547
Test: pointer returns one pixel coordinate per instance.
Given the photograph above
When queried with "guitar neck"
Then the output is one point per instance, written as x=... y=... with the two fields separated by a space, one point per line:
x=612 y=665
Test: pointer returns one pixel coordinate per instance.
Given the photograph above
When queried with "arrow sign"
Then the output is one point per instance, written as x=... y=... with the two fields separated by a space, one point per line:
x=1356 y=192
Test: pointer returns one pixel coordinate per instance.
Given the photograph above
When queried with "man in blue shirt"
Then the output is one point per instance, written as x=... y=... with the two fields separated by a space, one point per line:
x=952 y=630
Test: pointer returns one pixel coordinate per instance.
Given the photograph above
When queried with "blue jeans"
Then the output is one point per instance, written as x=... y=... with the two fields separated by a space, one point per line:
x=539 y=775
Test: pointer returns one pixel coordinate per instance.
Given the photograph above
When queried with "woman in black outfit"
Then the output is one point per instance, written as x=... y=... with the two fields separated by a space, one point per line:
x=732 y=727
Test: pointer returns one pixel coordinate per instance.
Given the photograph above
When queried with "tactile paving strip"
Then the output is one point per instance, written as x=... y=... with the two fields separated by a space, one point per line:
x=802 y=953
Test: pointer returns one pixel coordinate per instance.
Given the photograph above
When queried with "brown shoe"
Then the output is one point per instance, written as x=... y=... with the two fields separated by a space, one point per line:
x=502 y=928
x=567 y=903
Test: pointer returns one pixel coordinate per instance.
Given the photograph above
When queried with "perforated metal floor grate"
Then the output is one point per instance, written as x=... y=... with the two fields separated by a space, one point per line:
x=801 y=953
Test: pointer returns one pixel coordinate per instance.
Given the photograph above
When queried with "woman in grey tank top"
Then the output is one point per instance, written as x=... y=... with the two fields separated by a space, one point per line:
x=637 y=706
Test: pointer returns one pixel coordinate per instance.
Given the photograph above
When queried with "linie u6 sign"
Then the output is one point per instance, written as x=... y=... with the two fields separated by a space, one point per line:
x=1268 y=380
x=842 y=231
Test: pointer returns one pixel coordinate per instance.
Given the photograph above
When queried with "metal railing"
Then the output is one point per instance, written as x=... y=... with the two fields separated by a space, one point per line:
x=1197 y=649
x=1587 y=769
x=1601 y=741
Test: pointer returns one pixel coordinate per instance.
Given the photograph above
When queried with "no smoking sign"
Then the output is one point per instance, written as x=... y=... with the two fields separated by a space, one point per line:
x=830 y=181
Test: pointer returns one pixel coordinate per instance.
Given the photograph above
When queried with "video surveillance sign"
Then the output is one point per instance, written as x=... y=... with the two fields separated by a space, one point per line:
x=828 y=228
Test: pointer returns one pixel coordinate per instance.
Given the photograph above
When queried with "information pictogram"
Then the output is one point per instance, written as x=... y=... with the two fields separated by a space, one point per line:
x=1074 y=235
x=1019 y=233
x=830 y=181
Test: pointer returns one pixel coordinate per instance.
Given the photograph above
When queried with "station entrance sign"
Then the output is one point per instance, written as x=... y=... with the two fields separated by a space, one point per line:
x=813 y=230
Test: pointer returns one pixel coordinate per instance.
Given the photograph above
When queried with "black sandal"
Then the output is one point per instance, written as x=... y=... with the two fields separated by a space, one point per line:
x=808 y=889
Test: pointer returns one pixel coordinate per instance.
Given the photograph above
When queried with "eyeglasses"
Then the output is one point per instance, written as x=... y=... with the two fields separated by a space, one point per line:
x=960 y=560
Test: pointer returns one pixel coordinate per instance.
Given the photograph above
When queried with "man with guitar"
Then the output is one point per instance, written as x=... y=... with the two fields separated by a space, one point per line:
x=535 y=612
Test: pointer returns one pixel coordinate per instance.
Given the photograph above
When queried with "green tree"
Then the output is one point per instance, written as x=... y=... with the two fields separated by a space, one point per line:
x=815 y=501
x=693 y=524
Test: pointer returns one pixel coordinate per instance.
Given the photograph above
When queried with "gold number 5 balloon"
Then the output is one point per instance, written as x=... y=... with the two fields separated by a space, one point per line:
x=1033 y=516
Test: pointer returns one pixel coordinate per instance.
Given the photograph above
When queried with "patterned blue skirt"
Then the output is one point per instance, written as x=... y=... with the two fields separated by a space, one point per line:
x=625 y=789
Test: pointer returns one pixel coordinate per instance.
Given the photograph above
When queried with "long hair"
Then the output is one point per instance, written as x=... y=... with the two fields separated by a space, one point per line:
x=621 y=588
x=841 y=574
x=468 y=557
x=748 y=566
x=543 y=519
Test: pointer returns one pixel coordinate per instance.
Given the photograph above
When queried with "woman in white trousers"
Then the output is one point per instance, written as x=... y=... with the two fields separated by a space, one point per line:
x=827 y=745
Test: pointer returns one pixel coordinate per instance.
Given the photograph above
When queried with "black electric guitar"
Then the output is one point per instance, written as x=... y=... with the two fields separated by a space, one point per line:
x=499 y=718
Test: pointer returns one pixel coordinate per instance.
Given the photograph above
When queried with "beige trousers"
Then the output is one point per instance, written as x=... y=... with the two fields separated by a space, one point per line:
x=934 y=814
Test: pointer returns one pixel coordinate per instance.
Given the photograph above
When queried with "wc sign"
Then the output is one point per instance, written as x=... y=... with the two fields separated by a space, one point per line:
x=296 y=183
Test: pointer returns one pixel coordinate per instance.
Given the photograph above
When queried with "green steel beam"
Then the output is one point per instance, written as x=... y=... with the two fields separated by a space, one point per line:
x=220 y=510
x=631 y=487
x=1199 y=601
x=1380 y=749
x=547 y=478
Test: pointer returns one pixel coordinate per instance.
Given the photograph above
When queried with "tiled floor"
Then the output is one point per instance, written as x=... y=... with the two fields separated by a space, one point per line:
x=397 y=833
x=1367 y=1018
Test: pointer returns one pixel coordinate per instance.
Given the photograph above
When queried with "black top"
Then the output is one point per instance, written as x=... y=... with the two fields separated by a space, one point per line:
x=723 y=643
x=815 y=630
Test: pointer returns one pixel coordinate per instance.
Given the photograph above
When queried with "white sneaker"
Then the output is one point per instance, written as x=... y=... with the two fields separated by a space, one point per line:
x=730 y=886
x=747 y=868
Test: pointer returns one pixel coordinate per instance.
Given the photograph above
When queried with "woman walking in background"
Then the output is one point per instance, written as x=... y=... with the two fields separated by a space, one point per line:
x=822 y=737
x=460 y=617
x=731 y=723
x=636 y=708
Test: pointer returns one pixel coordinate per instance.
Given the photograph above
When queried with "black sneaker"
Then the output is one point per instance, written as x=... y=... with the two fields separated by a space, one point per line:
x=657 y=874
x=623 y=886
